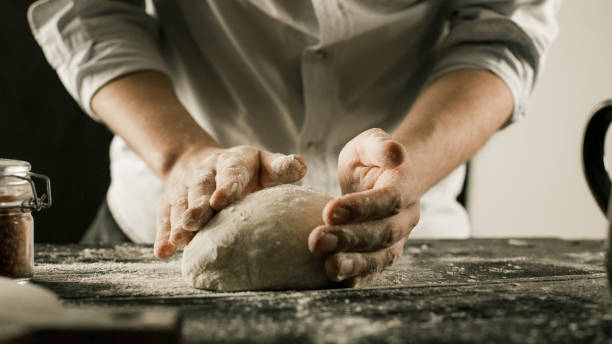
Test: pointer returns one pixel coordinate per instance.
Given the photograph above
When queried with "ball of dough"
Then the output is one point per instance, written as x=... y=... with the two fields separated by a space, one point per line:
x=259 y=243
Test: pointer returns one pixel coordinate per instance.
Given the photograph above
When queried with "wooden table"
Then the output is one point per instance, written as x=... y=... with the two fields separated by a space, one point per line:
x=503 y=291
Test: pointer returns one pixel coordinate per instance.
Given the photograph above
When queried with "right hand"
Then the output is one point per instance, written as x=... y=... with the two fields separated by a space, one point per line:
x=207 y=180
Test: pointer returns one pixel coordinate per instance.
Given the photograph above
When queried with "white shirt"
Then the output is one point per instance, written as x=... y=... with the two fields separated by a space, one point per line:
x=291 y=76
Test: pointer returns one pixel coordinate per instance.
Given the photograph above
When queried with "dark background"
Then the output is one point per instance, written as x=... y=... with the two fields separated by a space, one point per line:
x=42 y=124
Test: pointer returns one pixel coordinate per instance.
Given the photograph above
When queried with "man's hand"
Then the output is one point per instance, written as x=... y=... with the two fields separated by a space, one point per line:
x=208 y=180
x=198 y=177
x=365 y=229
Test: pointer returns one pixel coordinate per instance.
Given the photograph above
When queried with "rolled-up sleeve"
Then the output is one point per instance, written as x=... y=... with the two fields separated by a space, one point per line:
x=92 y=42
x=507 y=38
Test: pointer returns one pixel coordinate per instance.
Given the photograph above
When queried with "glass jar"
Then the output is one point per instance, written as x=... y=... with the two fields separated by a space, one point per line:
x=18 y=198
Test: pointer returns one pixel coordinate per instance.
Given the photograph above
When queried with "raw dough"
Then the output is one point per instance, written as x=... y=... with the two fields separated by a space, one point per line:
x=259 y=243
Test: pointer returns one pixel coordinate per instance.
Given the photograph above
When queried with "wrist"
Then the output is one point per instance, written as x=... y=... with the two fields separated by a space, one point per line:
x=184 y=156
x=450 y=120
x=418 y=139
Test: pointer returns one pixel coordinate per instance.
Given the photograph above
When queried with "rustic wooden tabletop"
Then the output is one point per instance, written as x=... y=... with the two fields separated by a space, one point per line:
x=504 y=291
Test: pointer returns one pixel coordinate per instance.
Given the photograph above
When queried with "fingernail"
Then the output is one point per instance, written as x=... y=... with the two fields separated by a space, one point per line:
x=345 y=268
x=341 y=215
x=328 y=243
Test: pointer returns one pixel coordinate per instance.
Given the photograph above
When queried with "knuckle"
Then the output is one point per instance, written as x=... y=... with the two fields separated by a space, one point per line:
x=179 y=202
x=389 y=257
x=163 y=222
x=392 y=232
x=237 y=171
x=205 y=180
x=394 y=201
x=378 y=205
x=390 y=202
x=366 y=239
x=346 y=237
x=240 y=177
x=286 y=167
x=370 y=265
x=176 y=234
x=206 y=176
x=227 y=160
x=200 y=202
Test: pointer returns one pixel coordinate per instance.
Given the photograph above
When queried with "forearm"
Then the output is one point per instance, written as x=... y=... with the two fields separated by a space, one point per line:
x=451 y=119
x=143 y=109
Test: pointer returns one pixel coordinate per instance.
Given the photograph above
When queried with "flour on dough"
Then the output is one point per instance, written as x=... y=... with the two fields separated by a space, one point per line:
x=259 y=243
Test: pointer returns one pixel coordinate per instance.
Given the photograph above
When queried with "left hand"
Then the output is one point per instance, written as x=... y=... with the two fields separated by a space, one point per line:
x=365 y=229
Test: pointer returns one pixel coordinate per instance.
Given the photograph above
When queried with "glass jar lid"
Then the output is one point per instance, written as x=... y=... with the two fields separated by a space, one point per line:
x=18 y=187
x=14 y=172
x=14 y=167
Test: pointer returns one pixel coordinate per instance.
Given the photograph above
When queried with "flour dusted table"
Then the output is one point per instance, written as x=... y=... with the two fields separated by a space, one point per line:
x=480 y=290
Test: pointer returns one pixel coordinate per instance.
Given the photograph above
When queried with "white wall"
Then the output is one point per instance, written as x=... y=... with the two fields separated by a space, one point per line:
x=528 y=180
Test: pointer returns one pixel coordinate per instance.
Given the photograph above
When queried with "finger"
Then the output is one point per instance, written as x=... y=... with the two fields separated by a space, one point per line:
x=342 y=266
x=279 y=168
x=363 y=236
x=235 y=170
x=362 y=206
x=359 y=281
x=178 y=235
x=373 y=147
x=162 y=247
x=198 y=196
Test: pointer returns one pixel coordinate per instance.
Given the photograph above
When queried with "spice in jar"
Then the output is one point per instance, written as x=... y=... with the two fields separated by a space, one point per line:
x=18 y=199
x=16 y=243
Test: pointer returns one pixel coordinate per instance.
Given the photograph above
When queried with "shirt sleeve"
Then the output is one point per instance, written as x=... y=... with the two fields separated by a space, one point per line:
x=92 y=42
x=507 y=38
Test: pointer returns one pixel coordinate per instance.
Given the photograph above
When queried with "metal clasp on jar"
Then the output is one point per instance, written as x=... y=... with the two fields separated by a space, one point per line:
x=36 y=203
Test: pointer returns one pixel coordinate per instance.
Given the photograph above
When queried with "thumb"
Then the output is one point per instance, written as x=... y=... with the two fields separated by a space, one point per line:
x=373 y=148
x=279 y=168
